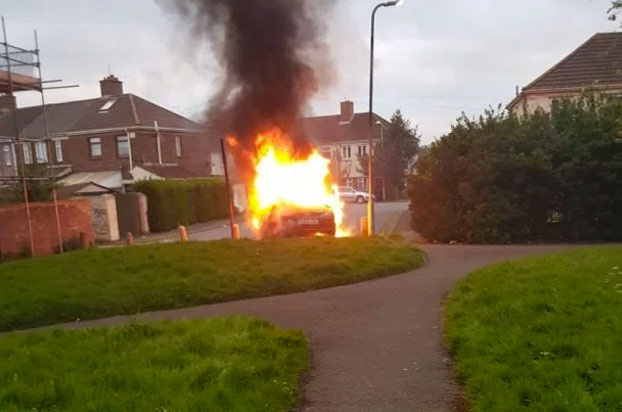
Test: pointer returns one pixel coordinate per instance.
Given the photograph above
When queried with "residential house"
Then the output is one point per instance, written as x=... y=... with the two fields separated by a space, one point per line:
x=343 y=138
x=112 y=140
x=596 y=67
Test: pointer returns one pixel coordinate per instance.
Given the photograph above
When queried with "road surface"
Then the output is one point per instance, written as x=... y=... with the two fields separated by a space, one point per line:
x=387 y=217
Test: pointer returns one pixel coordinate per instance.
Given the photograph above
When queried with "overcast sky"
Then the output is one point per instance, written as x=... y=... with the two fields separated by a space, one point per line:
x=434 y=59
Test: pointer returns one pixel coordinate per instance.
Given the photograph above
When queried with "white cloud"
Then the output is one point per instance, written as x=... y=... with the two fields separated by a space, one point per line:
x=434 y=59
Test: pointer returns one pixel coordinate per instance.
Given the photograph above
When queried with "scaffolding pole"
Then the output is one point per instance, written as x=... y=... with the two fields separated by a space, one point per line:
x=18 y=160
x=48 y=149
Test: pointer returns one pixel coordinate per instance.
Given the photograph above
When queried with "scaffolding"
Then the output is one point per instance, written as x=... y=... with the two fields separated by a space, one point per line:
x=20 y=71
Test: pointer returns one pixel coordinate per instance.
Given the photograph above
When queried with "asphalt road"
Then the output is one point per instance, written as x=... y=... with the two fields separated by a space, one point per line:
x=377 y=345
x=387 y=216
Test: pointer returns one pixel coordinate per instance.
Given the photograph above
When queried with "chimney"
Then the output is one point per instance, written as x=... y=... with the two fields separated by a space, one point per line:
x=7 y=103
x=111 y=86
x=347 y=111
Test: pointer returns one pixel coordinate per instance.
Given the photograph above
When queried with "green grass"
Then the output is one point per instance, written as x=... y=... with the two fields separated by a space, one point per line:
x=541 y=334
x=104 y=282
x=221 y=364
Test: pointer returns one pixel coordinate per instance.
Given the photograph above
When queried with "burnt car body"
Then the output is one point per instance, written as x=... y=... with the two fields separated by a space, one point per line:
x=304 y=222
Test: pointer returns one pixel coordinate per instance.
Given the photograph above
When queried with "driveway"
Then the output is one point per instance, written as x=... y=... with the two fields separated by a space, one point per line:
x=376 y=345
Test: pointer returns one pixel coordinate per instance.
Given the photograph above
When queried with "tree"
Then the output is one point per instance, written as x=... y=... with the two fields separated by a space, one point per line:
x=614 y=10
x=394 y=157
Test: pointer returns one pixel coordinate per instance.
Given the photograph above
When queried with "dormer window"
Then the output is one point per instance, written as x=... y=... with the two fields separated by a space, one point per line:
x=106 y=106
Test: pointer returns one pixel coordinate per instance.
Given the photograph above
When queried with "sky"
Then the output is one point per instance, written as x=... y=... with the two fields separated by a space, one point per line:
x=434 y=60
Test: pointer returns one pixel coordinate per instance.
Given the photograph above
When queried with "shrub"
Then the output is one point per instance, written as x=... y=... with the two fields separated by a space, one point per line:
x=547 y=176
x=173 y=203
x=39 y=189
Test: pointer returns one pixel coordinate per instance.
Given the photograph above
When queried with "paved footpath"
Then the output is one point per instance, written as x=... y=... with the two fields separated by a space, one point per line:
x=376 y=345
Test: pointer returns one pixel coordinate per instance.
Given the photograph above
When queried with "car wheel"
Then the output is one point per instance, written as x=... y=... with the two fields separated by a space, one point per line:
x=360 y=199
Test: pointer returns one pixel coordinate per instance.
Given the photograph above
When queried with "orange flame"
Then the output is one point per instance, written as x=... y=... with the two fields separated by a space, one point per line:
x=283 y=182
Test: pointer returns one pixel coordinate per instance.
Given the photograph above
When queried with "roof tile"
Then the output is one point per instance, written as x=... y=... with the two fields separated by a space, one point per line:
x=127 y=111
x=597 y=62
x=329 y=129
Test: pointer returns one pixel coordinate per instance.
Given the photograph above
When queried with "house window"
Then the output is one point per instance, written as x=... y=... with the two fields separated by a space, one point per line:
x=27 y=153
x=178 y=146
x=6 y=155
x=361 y=182
x=58 y=149
x=349 y=182
x=41 y=152
x=346 y=152
x=123 y=146
x=95 y=144
x=362 y=150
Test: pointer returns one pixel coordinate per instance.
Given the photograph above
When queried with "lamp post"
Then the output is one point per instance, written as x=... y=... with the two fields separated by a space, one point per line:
x=370 y=183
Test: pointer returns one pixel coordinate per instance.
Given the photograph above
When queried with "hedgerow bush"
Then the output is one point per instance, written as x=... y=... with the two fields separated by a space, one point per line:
x=547 y=176
x=172 y=203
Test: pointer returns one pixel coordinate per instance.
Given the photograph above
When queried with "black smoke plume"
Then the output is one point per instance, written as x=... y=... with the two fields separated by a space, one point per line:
x=270 y=51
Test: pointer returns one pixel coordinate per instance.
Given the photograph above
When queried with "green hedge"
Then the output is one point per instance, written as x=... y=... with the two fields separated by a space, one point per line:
x=549 y=176
x=172 y=203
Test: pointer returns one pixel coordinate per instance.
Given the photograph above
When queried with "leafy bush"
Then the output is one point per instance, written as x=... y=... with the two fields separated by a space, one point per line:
x=173 y=203
x=547 y=176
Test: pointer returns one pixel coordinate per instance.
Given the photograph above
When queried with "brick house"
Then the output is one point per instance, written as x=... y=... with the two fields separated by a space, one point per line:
x=116 y=132
x=595 y=66
x=343 y=139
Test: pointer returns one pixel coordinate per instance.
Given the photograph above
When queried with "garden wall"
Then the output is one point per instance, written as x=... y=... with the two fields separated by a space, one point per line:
x=132 y=213
x=105 y=221
x=75 y=218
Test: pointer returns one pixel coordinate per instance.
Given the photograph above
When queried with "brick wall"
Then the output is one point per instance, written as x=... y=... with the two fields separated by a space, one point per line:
x=195 y=152
x=77 y=153
x=75 y=217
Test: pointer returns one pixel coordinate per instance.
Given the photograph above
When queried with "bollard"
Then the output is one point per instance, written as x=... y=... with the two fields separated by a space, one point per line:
x=183 y=234
x=129 y=240
x=235 y=231
x=364 y=226
x=84 y=242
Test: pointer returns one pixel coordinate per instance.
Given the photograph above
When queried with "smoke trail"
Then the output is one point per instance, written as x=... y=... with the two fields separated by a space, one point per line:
x=268 y=49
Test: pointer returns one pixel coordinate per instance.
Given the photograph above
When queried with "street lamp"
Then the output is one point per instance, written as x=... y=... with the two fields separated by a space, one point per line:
x=370 y=184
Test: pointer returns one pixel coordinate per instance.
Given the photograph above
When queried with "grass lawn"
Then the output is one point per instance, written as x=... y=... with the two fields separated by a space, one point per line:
x=104 y=282
x=541 y=334
x=220 y=364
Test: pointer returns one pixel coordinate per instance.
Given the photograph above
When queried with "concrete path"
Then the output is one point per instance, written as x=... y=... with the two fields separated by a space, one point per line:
x=377 y=345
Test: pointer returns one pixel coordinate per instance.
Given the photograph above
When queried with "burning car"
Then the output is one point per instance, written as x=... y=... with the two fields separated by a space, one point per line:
x=312 y=222
x=292 y=194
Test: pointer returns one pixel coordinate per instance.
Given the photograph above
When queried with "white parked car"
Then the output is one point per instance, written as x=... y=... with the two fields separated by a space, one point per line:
x=349 y=194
